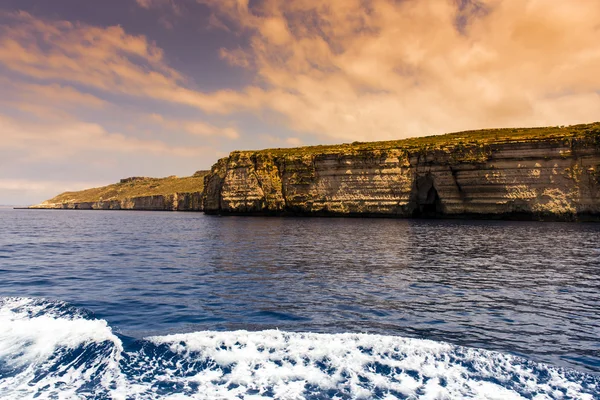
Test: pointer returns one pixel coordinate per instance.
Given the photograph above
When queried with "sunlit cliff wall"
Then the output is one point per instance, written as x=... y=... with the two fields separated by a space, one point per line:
x=549 y=177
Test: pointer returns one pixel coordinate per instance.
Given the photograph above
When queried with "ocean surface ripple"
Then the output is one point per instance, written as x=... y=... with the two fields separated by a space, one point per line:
x=53 y=350
x=183 y=305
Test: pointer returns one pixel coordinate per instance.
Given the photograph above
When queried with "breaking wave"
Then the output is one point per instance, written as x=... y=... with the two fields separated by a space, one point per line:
x=53 y=350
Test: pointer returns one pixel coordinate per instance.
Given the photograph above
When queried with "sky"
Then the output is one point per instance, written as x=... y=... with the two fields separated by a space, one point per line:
x=94 y=91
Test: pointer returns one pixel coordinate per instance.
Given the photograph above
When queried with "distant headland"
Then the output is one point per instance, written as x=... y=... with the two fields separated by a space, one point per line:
x=550 y=173
x=136 y=193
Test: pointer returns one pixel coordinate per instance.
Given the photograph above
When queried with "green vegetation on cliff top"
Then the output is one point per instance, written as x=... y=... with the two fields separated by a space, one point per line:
x=450 y=140
x=135 y=187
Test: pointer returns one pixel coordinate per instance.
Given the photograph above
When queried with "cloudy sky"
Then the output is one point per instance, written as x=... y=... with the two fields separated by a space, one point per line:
x=93 y=91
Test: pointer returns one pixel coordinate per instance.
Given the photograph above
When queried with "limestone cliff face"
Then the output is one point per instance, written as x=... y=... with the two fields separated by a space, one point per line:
x=173 y=202
x=551 y=178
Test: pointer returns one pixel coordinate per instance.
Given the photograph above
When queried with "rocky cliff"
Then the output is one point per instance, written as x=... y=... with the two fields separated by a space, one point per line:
x=136 y=193
x=540 y=173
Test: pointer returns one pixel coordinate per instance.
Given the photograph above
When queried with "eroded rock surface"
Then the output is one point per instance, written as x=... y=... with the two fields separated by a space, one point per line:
x=552 y=175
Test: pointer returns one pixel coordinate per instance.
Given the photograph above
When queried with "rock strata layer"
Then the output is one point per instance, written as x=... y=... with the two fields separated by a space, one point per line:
x=172 y=202
x=537 y=174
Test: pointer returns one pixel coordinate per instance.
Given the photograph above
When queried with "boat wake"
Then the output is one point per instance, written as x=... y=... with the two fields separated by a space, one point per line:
x=53 y=350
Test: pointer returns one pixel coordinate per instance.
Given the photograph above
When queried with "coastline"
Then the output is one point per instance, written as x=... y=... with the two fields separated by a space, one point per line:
x=539 y=174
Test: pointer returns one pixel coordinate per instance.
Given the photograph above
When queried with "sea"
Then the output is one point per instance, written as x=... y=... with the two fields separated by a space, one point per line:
x=175 y=305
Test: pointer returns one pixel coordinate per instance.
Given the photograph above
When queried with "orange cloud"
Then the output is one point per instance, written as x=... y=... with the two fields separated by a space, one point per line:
x=19 y=93
x=102 y=58
x=378 y=69
x=351 y=69
x=198 y=128
x=50 y=102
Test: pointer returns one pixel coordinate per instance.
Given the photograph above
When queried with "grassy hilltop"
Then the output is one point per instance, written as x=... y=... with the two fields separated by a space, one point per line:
x=452 y=143
x=135 y=187
x=450 y=140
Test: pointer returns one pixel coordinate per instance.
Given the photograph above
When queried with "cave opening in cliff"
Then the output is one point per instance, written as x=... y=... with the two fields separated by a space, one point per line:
x=432 y=204
x=428 y=202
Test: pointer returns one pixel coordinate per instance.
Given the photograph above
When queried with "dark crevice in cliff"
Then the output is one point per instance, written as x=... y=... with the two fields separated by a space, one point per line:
x=458 y=186
x=428 y=202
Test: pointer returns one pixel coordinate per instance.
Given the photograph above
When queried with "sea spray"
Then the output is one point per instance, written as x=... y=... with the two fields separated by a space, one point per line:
x=54 y=350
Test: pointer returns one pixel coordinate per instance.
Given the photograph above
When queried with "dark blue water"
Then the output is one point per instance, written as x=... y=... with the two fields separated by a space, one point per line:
x=524 y=289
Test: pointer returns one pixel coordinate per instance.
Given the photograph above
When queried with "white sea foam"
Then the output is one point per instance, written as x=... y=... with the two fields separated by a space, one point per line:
x=48 y=350
x=291 y=365
x=33 y=348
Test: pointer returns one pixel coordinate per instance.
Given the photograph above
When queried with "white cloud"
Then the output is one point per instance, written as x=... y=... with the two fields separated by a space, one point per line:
x=60 y=140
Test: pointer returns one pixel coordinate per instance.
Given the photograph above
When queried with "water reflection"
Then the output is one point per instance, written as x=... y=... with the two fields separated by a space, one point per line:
x=525 y=287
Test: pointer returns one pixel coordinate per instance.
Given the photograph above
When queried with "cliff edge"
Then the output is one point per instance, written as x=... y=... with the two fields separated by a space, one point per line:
x=531 y=173
x=136 y=193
